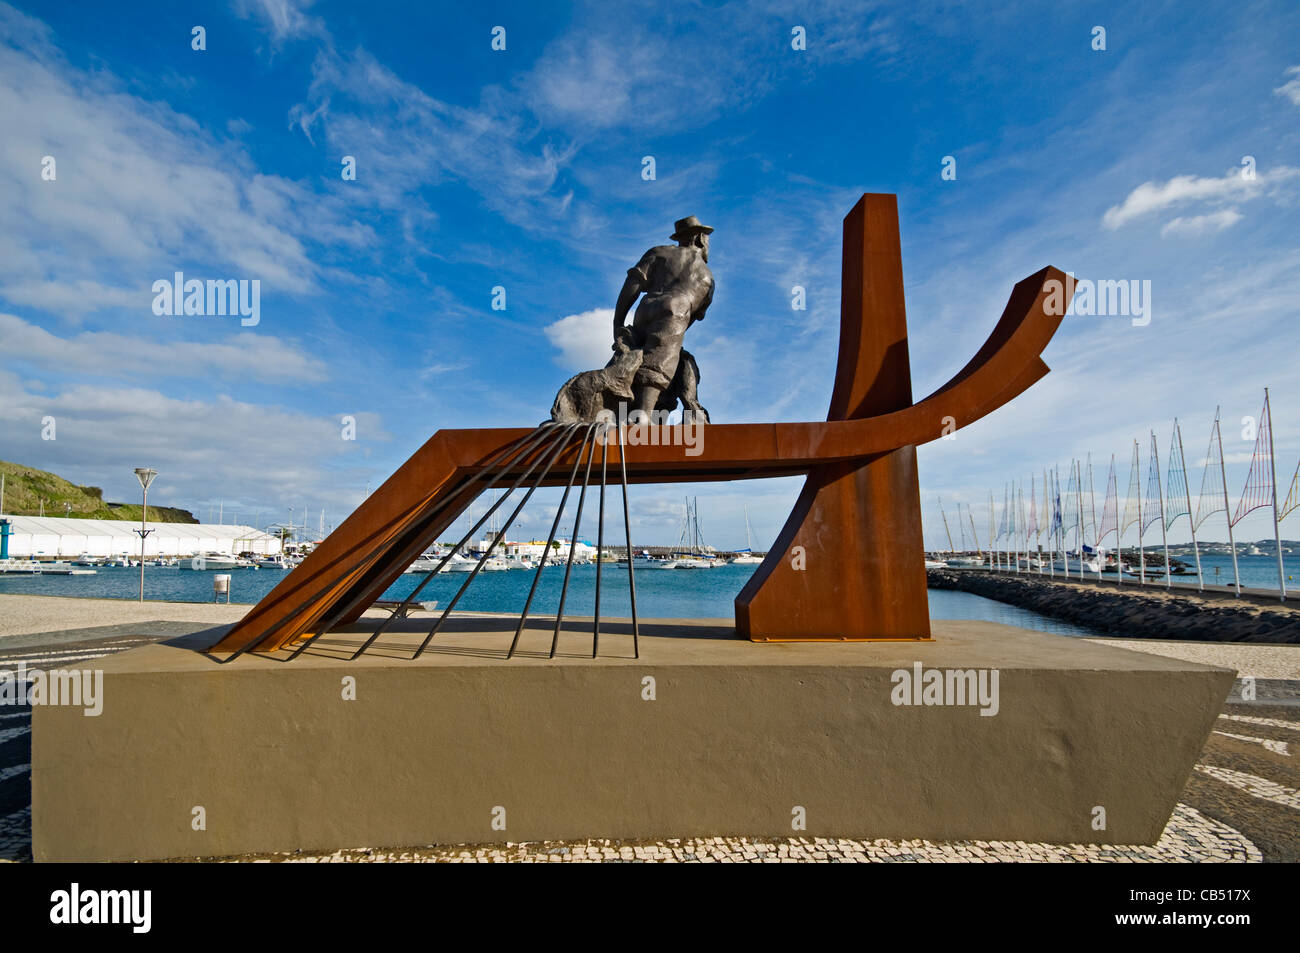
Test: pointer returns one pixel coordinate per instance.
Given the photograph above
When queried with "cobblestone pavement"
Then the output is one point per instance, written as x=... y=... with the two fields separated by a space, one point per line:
x=1249 y=784
x=1188 y=837
x=1242 y=803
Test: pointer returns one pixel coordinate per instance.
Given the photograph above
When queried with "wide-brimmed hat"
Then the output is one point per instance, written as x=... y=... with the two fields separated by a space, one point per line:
x=685 y=227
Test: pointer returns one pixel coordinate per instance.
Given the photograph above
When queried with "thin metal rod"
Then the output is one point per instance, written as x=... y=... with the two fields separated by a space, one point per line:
x=627 y=531
x=560 y=446
x=272 y=630
x=600 y=543
x=558 y=441
x=555 y=524
x=573 y=546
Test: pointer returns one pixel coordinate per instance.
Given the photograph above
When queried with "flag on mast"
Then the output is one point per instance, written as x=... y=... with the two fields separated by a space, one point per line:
x=1131 y=501
x=1213 y=497
x=1071 y=502
x=1011 y=515
x=1110 y=509
x=1151 y=506
x=1176 y=482
x=1258 y=490
x=1056 y=503
x=1217 y=499
x=1032 y=529
x=1020 y=514
x=1292 y=497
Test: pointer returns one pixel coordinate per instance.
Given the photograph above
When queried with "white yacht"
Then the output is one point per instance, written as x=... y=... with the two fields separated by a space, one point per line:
x=20 y=567
x=221 y=562
x=425 y=563
x=746 y=556
x=459 y=563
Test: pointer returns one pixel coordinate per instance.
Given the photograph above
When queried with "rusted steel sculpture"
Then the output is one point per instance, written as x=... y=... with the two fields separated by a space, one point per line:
x=847 y=566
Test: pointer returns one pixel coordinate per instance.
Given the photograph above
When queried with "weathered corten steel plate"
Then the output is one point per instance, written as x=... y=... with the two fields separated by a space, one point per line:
x=848 y=565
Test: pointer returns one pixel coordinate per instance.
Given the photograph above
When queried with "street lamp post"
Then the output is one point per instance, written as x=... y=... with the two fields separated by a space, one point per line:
x=145 y=475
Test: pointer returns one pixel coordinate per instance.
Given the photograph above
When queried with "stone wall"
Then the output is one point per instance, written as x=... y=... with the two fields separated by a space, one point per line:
x=1127 y=611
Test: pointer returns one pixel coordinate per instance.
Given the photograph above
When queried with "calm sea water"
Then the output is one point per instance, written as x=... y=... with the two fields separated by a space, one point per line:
x=682 y=594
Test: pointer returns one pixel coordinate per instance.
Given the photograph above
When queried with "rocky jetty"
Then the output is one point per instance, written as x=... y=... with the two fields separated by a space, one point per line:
x=1132 y=612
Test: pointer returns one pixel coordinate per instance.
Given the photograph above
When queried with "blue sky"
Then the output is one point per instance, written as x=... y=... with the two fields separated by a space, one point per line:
x=522 y=169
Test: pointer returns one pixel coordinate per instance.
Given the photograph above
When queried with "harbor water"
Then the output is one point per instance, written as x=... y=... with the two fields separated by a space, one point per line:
x=661 y=593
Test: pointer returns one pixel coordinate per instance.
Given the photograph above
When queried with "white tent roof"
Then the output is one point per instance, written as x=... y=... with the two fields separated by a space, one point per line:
x=62 y=526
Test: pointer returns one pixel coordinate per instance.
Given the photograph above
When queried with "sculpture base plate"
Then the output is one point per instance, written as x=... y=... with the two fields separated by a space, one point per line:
x=705 y=734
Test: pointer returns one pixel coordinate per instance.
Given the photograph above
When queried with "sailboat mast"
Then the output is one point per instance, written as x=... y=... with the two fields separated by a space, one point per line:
x=1164 y=530
x=944 y=516
x=1272 y=473
x=1227 y=513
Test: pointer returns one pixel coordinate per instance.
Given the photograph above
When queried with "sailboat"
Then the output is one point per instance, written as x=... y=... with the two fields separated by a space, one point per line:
x=963 y=561
x=747 y=557
x=695 y=557
x=643 y=560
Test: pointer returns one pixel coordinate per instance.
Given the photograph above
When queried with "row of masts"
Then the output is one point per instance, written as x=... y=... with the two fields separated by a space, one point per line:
x=1063 y=514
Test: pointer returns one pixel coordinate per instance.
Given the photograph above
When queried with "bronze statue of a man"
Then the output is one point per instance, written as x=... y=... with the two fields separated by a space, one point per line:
x=678 y=287
x=650 y=368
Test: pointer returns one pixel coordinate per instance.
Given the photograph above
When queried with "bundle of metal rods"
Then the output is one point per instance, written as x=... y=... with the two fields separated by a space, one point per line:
x=541 y=449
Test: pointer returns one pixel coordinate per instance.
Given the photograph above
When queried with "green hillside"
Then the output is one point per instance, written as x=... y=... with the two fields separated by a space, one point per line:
x=26 y=488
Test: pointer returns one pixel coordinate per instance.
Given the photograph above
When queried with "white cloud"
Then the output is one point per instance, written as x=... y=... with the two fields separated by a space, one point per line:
x=75 y=298
x=1151 y=197
x=246 y=451
x=284 y=19
x=707 y=59
x=583 y=339
x=245 y=355
x=410 y=140
x=1201 y=224
x=1291 y=88
x=139 y=189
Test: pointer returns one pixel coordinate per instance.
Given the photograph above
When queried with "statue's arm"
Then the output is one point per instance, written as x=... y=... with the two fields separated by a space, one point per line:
x=698 y=315
x=626 y=298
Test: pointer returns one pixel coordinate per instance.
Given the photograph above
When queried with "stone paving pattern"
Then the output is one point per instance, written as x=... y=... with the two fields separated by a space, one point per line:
x=1189 y=837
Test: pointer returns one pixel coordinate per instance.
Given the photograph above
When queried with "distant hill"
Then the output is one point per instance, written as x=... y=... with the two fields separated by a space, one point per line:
x=26 y=488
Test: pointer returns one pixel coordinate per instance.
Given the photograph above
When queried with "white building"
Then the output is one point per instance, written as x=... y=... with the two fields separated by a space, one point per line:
x=51 y=536
x=583 y=552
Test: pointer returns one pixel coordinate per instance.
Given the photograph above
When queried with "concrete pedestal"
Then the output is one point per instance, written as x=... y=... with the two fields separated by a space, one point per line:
x=703 y=735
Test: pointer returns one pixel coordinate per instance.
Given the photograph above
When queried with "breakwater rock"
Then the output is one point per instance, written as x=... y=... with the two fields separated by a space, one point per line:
x=1133 y=612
